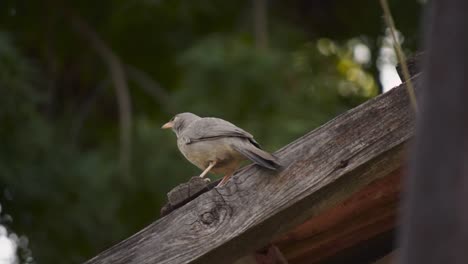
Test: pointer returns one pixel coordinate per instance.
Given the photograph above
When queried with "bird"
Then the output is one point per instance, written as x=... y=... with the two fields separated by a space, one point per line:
x=217 y=146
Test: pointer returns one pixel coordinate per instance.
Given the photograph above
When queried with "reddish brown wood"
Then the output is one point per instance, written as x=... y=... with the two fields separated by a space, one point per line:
x=367 y=213
x=270 y=255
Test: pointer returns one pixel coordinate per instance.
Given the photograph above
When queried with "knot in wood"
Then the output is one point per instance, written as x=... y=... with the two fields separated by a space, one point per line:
x=217 y=214
x=207 y=218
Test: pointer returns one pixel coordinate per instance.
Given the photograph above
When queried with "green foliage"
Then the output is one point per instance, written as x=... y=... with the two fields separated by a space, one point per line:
x=52 y=187
x=59 y=171
x=291 y=91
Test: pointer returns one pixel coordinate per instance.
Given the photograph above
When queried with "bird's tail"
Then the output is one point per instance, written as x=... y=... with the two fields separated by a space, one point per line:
x=259 y=156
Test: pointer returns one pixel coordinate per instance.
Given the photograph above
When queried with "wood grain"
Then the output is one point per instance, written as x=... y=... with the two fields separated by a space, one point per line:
x=367 y=213
x=323 y=168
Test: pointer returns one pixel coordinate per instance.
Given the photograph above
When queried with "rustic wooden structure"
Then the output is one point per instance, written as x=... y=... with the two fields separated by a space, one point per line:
x=435 y=222
x=339 y=189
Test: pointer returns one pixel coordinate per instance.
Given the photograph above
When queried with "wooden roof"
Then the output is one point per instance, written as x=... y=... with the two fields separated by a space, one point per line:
x=338 y=190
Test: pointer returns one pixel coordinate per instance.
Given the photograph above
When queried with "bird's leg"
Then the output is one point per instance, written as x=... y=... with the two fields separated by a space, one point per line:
x=225 y=179
x=212 y=164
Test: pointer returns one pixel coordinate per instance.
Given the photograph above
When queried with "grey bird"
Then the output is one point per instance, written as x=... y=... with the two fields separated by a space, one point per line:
x=215 y=145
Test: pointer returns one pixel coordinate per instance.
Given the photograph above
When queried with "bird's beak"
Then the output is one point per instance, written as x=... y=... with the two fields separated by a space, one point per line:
x=168 y=125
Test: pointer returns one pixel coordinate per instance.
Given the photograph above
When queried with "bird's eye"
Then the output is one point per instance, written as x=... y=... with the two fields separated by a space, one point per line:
x=172 y=119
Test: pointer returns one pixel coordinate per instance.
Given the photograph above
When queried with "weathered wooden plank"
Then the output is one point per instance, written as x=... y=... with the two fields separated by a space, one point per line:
x=322 y=169
x=365 y=252
x=368 y=212
x=186 y=192
x=347 y=238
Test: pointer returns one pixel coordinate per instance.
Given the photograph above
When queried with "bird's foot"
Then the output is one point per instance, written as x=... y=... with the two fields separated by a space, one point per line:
x=225 y=179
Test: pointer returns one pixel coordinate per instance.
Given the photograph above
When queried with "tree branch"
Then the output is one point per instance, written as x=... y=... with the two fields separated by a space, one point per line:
x=119 y=79
x=85 y=108
x=260 y=23
x=151 y=87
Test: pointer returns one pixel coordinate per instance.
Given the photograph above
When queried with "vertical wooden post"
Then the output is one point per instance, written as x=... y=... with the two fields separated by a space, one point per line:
x=435 y=210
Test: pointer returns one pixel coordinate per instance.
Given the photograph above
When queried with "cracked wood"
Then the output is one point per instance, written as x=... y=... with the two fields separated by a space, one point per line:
x=323 y=168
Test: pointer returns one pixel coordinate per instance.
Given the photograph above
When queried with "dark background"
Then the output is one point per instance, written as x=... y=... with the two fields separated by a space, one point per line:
x=70 y=187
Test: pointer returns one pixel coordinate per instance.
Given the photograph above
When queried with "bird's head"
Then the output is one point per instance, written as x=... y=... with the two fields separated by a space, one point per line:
x=180 y=121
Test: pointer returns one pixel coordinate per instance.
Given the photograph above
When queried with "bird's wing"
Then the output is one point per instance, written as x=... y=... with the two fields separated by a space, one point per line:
x=210 y=128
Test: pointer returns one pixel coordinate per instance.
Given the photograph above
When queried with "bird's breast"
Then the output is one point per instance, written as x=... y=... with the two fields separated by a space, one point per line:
x=201 y=153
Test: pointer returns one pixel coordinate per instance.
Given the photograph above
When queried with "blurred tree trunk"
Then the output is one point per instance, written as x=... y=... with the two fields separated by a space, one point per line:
x=260 y=23
x=435 y=215
x=119 y=79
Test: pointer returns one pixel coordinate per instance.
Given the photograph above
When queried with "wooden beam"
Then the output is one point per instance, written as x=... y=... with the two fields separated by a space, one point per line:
x=365 y=252
x=367 y=213
x=322 y=169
